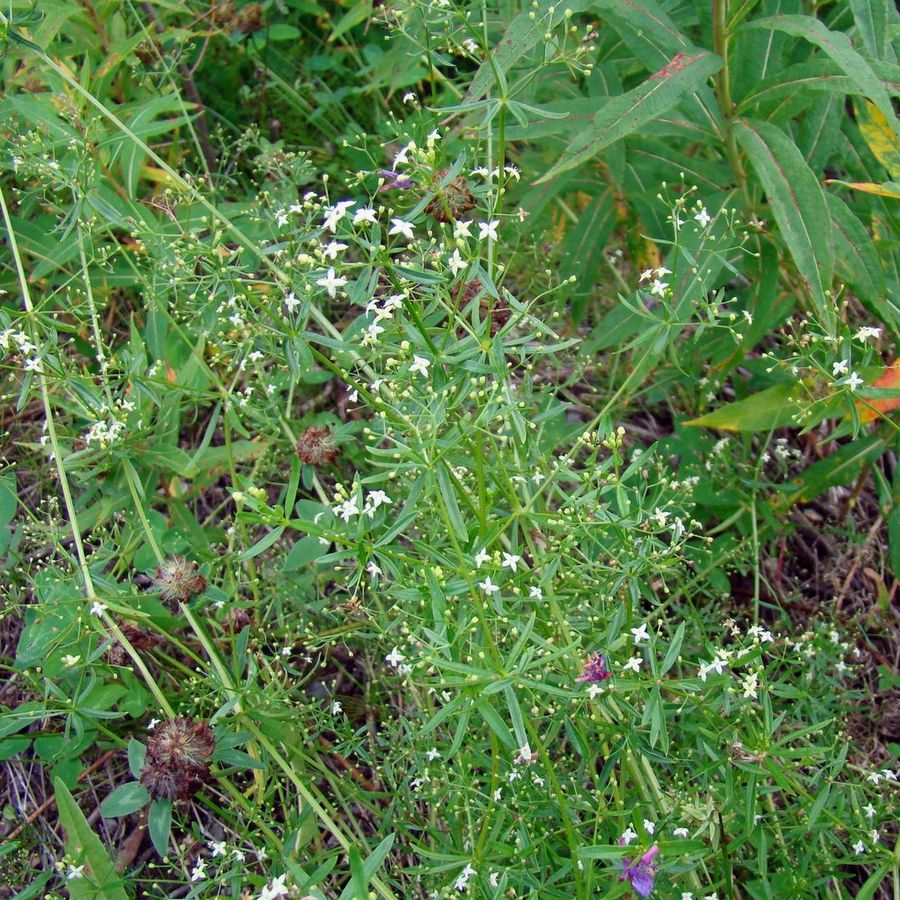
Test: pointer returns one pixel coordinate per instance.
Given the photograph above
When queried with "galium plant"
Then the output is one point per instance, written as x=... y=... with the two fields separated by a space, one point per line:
x=321 y=549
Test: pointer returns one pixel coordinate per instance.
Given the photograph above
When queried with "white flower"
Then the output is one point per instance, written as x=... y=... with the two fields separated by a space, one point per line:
x=854 y=381
x=874 y=836
x=331 y=283
x=433 y=754
x=346 y=510
x=419 y=365
x=378 y=498
x=659 y=287
x=274 y=889
x=332 y=248
x=633 y=664
x=703 y=217
x=649 y=827
x=681 y=832
x=462 y=882
x=336 y=708
x=198 y=873
x=97 y=608
x=662 y=271
x=510 y=561
x=525 y=756
x=841 y=367
x=481 y=557
x=488 y=586
x=869 y=810
x=218 y=848
x=687 y=895
x=409 y=97
x=535 y=593
x=291 y=301
x=334 y=214
x=400 y=226
x=462 y=229
x=488 y=230
x=866 y=332
x=365 y=214
x=456 y=263
x=394 y=658
x=152 y=724
x=70 y=660
x=640 y=634
x=646 y=275
x=494 y=879
x=750 y=685
x=628 y=836
x=33 y=364
x=373 y=568
x=74 y=872
x=859 y=848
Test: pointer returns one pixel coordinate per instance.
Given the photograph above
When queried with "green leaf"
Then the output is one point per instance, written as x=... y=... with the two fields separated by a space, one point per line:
x=363 y=873
x=445 y=486
x=100 y=881
x=797 y=202
x=871 y=17
x=837 y=46
x=127 y=798
x=674 y=650
x=873 y=882
x=857 y=262
x=628 y=112
x=772 y=408
x=137 y=752
x=495 y=721
x=305 y=551
x=159 y=823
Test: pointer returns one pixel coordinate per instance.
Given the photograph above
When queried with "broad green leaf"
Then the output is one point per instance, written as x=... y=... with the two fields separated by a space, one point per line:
x=837 y=46
x=857 y=262
x=99 y=881
x=523 y=32
x=623 y=115
x=159 y=823
x=873 y=882
x=772 y=408
x=789 y=86
x=306 y=550
x=871 y=17
x=797 y=202
x=125 y=799
x=646 y=29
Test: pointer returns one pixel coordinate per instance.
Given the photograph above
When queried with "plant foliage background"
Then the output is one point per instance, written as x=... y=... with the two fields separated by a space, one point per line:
x=449 y=449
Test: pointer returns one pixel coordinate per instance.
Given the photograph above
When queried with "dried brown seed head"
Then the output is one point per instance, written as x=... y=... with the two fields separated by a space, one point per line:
x=316 y=446
x=179 y=580
x=451 y=201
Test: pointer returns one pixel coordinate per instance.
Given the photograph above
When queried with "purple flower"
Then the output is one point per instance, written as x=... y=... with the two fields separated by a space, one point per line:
x=395 y=180
x=595 y=669
x=641 y=872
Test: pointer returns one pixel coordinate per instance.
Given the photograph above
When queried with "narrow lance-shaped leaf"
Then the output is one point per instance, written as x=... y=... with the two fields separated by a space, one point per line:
x=797 y=202
x=836 y=45
x=623 y=115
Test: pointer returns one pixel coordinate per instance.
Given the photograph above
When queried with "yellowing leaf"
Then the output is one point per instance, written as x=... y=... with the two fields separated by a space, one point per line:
x=772 y=408
x=870 y=408
x=880 y=135
x=888 y=189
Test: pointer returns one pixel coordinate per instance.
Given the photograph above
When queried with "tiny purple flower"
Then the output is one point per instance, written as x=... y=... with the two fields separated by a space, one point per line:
x=595 y=669
x=641 y=872
x=395 y=180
